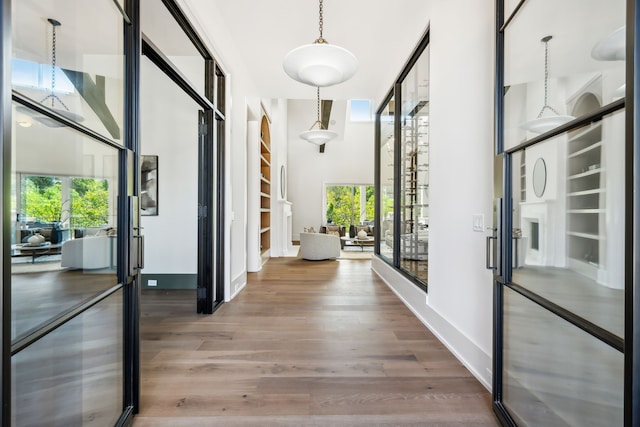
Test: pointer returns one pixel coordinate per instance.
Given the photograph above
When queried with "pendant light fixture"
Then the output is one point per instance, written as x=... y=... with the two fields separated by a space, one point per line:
x=320 y=64
x=318 y=136
x=543 y=124
x=52 y=96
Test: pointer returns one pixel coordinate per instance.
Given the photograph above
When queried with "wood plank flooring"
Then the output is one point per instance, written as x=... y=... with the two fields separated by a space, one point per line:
x=321 y=343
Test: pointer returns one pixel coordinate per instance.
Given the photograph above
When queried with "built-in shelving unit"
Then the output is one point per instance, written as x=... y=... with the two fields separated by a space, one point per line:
x=265 y=187
x=585 y=199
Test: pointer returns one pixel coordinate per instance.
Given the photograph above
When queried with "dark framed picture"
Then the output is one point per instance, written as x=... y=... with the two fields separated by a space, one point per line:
x=149 y=185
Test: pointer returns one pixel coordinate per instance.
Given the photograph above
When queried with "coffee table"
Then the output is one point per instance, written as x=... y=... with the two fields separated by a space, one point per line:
x=35 y=251
x=356 y=241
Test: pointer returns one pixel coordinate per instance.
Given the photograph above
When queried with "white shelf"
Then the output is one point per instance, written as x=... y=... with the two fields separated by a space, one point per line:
x=587 y=173
x=586 y=192
x=590 y=133
x=586 y=149
x=585 y=211
x=584 y=235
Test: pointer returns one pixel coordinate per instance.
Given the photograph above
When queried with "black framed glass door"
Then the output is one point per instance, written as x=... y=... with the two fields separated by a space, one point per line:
x=69 y=273
x=561 y=248
x=191 y=75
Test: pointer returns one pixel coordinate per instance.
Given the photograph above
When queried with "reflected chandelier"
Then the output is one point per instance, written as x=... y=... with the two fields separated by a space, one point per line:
x=320 y=64
x=543 y=124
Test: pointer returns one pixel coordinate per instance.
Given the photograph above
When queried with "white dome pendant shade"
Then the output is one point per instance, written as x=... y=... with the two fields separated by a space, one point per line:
x=318 y=136
x=320 y=64
x=543 y=124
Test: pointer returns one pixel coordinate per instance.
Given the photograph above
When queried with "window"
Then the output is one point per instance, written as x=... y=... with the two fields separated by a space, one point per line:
x=403 y=170
x=360 y=110
x=67 y=202
x=348 y=205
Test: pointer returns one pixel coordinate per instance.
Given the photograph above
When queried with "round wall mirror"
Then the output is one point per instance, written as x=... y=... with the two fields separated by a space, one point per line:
x=539 y=177
x=283 y=182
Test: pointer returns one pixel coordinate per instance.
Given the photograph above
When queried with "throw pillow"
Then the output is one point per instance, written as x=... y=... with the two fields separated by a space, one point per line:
x=309 y=230
x=334 y=233
x=333 y=228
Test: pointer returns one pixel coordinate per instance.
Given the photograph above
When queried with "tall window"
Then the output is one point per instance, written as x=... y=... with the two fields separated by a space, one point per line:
x=349 y=204
x=403 y=170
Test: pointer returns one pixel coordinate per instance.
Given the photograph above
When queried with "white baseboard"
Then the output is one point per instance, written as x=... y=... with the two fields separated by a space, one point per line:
x=477 y=361
x=237 y=285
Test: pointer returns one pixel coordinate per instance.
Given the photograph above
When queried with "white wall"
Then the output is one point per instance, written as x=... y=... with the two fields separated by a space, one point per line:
x=458 y=308
x=169 y=129
x=347 y=160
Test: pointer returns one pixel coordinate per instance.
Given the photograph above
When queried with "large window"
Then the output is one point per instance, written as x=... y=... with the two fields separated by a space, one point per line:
x=64 y=201
x=403 y=170
x=349 y=205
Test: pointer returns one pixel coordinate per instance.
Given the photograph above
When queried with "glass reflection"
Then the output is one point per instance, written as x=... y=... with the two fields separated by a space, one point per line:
x=554 y=373
x=545 y=80
x=79 y=73
x=414 y=170
x=569 y=240
x=73 y=376
x=64 y=201
x=387 y=162
x=162 y=29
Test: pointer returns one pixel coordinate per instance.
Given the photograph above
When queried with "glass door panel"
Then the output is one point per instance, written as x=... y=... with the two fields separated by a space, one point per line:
x=556 y=374
x=164 y=32
x=568 y=234
x=585 y=54
x=65 y=229
x=86 y=85
x=74 y=375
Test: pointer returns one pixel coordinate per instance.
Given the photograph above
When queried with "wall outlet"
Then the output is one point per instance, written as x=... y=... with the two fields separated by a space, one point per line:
x=477 y=221
x=152 y=282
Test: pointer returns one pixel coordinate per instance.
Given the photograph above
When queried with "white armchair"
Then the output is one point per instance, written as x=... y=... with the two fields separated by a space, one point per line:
x=317 y=246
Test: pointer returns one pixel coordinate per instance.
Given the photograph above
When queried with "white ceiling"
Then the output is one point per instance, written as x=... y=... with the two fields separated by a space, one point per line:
x=380 y=33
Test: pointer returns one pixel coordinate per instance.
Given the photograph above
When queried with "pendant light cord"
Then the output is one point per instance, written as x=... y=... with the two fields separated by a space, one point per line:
x=546 y=105
x=53 y=62
x=321 y=39
x=318 y=122
x=52 y=95
x=318 y=105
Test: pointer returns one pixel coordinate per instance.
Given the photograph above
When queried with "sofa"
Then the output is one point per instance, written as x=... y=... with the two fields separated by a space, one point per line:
x=88 y=253
x=319 y=246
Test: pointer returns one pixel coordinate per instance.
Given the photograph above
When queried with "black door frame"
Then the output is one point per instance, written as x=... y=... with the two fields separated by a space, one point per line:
x=210 y=283
x=502 y=272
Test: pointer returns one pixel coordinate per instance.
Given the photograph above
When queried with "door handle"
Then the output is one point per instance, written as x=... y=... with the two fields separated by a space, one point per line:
x=489 y=253
x=140 y=265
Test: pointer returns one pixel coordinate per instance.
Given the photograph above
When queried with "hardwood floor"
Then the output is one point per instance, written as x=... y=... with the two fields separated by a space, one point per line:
x=321 y=343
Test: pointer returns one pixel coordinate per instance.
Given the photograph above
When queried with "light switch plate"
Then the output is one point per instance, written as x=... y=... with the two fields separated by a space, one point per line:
x=478 y=222
x=152 y=282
